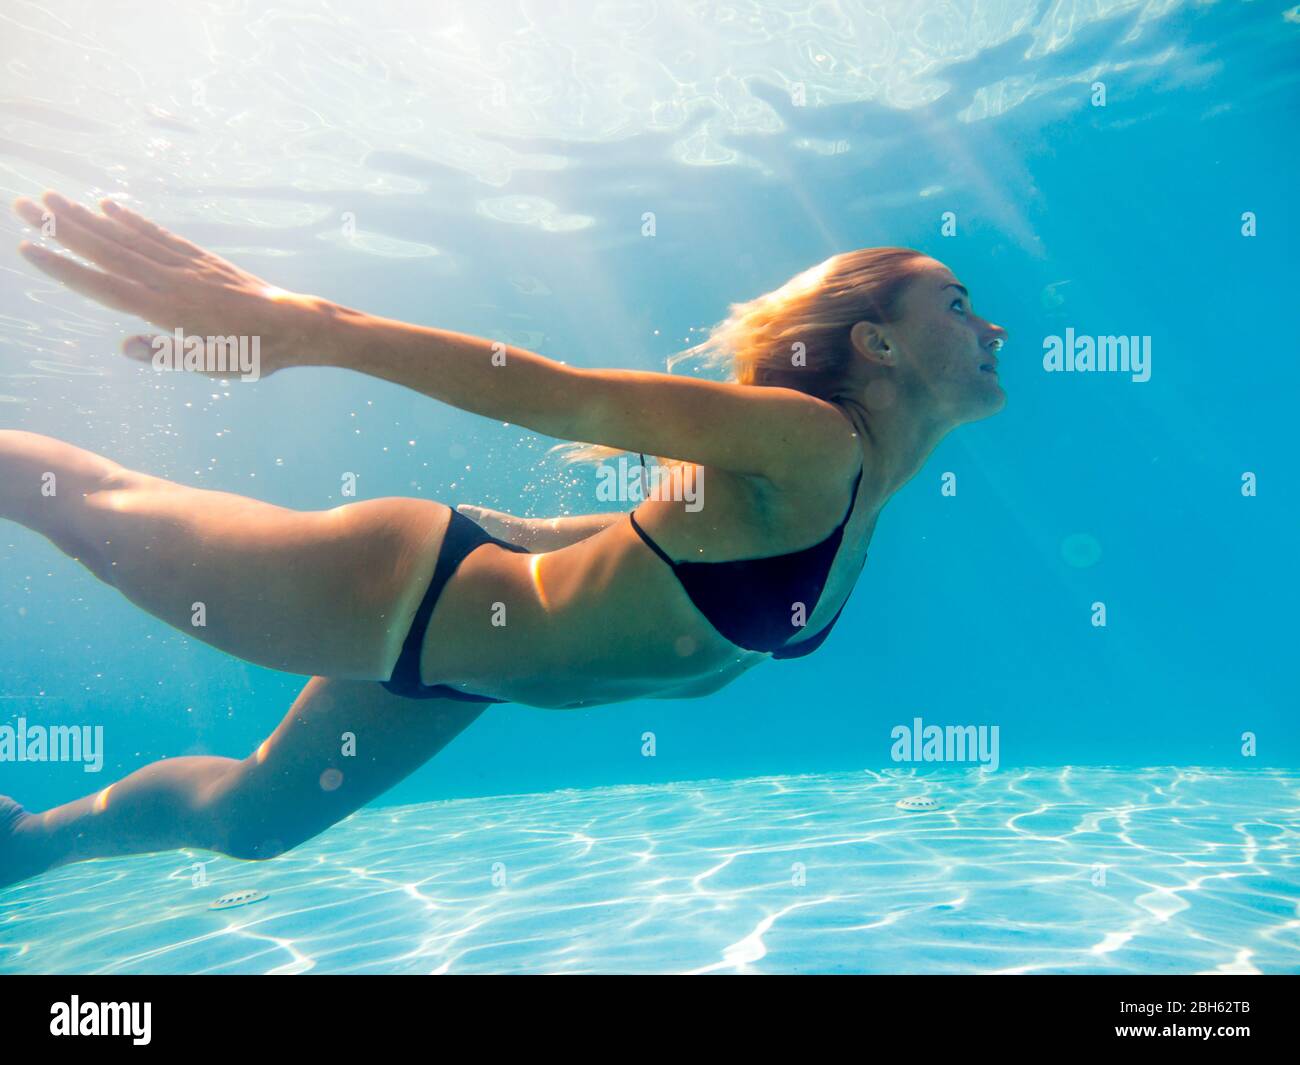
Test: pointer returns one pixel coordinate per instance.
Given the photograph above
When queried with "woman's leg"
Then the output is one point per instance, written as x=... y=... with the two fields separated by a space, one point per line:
x=341 y=744
x=330 y=593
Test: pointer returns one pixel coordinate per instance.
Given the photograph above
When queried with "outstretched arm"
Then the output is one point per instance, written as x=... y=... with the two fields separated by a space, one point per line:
x=144 y=270
x=775 y=433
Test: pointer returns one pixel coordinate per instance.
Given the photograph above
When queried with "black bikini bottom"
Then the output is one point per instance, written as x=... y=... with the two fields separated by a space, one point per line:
x=463 y=538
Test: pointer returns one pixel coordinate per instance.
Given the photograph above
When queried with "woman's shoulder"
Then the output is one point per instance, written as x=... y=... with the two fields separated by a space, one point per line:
x=825 y=457
x=825 y=463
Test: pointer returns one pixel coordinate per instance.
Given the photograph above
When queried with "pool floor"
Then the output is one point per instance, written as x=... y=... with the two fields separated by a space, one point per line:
x=1076 y=870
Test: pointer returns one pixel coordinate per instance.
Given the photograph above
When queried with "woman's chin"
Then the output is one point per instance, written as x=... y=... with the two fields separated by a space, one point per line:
x=988 y=401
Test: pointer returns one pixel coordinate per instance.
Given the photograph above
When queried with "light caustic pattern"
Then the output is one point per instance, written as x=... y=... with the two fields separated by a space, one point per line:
x=316 y=129
x=1200 y=876
x=310 y=89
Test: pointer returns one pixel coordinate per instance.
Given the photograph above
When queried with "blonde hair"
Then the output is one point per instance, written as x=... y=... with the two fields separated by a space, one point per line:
x=797 y=336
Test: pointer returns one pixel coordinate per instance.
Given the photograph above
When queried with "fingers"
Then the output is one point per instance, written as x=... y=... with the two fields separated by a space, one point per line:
x=488 y=518
x=498 y=517
x=140 y=347
x=139 y=224
x=138 y=242
x=115 y=231
x=92 y=237
x=117 y=292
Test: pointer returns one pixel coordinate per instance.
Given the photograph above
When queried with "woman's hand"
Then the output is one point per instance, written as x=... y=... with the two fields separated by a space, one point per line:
x=538 y=534
x=146 y=271
x=524 y=532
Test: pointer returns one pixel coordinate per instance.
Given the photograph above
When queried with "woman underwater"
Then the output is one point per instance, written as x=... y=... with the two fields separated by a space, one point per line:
x=845 y=379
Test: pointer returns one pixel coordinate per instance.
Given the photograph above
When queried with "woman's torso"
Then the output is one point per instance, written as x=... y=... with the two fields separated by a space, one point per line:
x=605 y=619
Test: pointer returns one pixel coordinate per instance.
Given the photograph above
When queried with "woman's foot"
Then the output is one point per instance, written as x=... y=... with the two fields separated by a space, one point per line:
x=18 y=859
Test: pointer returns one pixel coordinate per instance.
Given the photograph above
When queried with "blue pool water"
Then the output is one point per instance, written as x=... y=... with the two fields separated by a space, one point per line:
x=488 y=167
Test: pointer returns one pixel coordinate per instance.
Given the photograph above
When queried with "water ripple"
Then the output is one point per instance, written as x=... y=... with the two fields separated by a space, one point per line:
x=1062 y=870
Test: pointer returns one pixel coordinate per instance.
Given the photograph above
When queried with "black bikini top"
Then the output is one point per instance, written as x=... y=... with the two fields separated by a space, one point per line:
x=750 y=600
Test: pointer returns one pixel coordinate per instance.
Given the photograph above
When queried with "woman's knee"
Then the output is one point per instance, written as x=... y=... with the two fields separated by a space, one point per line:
x=250 y=848
x=256 y=839
x=247 y=820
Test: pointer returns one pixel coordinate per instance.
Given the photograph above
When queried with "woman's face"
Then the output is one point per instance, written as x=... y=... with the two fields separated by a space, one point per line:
x=945 y=353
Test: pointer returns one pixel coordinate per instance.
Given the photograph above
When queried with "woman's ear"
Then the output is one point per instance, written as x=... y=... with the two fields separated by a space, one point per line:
x=869 y=342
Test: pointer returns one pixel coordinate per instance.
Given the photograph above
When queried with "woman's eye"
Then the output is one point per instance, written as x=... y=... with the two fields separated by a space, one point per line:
x=957 y=303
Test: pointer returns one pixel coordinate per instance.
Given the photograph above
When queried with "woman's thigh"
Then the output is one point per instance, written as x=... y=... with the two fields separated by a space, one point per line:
x=321 y=593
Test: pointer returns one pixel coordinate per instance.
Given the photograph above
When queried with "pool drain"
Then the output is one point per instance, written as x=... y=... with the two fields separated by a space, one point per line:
x=238 y=898
x=918 y=802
